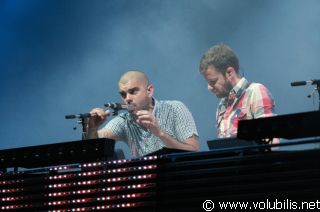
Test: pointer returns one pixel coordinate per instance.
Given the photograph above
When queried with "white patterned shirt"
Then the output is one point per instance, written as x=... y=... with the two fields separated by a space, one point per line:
x=173 y=117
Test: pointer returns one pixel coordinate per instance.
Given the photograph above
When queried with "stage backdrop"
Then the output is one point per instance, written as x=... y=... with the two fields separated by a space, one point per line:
x=61 y=57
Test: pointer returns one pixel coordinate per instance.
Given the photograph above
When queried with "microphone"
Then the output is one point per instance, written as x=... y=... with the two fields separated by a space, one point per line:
x=118 y=106
x=299 y=83
x=84 y=115
x=114 y=106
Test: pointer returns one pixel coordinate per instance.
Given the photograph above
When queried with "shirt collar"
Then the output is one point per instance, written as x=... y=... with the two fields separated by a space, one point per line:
x=155 y=105
x=240 y=87
x=236 y=92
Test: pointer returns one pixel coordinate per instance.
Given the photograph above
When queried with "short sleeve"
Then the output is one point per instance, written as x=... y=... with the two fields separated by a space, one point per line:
x=184 y=123
x=117 y=126
x=262 y=103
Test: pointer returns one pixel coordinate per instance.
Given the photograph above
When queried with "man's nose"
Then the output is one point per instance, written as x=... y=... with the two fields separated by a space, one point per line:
x=210 y=87
x=128 y=98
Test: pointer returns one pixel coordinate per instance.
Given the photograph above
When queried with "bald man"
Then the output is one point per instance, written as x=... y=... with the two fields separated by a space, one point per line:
x=151 y=125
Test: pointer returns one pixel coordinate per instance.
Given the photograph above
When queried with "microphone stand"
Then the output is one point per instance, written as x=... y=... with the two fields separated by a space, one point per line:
x=318 y=89
x=84 y=118
x=84 y=123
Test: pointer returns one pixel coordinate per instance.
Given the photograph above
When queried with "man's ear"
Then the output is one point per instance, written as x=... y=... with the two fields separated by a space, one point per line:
x=230 y=71
x=150 y=90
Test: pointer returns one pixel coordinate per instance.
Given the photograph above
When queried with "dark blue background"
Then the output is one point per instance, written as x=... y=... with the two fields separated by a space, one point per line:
x=62 y=57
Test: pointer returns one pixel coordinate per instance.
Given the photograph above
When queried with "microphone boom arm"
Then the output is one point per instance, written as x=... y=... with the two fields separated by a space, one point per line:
x=84 y=116
x=312 y=82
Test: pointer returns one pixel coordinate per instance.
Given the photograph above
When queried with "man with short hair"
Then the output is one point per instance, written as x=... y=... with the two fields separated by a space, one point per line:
x=239 y=99
x=151 y=125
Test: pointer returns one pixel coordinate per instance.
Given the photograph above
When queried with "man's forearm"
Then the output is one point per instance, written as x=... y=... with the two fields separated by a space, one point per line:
x=92 y=133
x=191 y=144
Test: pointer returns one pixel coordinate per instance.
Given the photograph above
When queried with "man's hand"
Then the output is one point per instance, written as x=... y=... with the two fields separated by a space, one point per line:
x=147 y=120
x=98 y=116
